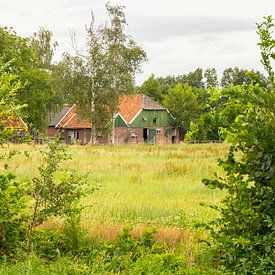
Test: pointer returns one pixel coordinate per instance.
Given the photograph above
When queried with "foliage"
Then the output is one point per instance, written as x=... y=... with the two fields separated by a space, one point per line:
x=211 y=78
x=28 y=59
x=13 y=214
x=10 y=109
x=12 y=192
x=183 y=105
x=243 y=236
x=104 y=72
x=152 y=88
x=193 y=79
x=43 y=47
x=236 y=76
x=55 y=196
x=126 y=254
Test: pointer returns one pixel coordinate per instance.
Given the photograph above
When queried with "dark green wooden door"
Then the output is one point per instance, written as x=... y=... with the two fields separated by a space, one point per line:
x=152 y=135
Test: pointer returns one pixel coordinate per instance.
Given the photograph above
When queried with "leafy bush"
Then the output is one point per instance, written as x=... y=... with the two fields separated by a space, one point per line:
x=56 y=192
x=243 y=236
x=12 y=214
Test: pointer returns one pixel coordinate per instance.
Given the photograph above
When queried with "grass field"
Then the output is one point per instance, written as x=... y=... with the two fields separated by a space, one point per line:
x=141 y=187
x=142 y=184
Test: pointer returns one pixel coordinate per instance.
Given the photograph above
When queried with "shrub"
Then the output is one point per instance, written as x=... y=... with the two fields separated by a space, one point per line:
x=12 y=214
x=243 y=236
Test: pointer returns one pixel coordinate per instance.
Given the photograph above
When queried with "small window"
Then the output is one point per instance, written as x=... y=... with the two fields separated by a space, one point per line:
x=158 y=131
x=154 y=120
x=134 y=135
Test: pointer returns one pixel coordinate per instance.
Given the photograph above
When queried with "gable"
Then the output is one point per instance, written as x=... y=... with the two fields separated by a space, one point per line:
x=131 y=105
x=145 y=119
x=119 y=121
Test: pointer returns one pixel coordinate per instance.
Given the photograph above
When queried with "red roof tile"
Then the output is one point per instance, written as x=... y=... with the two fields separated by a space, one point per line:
x=130 y=105
x=15 y=122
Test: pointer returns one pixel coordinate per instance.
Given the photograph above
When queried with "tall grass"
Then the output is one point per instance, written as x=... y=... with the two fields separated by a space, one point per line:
x=142 y=184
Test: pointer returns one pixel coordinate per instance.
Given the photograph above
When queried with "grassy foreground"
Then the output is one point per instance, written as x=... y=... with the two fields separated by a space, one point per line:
x=139 y=186
x=142 y=184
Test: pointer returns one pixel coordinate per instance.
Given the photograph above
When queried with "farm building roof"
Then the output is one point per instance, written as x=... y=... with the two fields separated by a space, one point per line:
x=59 y=117
x=129 y=107
x=69 y=119
x=15 y=122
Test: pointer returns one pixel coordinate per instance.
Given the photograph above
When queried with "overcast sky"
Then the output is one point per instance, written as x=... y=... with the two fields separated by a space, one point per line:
x=177 y=35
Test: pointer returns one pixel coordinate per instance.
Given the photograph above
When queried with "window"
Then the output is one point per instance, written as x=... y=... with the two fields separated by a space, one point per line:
x=158 y=131
x=155 y=120
x=134 y=135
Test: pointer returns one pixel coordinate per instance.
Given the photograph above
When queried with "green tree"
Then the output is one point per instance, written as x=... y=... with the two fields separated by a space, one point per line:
x=12 y=199
x=183 y=105
x=44 y=47
x=106 y=71
x=10 y=107
x=26 y=58
x=236 y=76
x=243 y=237
x=193 y=79
x=211 y=78
x=152 y=88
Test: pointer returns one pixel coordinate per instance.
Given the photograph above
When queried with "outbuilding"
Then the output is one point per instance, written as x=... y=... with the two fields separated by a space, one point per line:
x=139 y=120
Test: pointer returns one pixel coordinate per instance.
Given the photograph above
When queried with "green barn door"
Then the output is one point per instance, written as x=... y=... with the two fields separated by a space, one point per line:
x=152 y=135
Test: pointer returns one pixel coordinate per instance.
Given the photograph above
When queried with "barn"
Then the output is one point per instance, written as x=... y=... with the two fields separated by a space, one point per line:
x=13 y=128
x=139 y=120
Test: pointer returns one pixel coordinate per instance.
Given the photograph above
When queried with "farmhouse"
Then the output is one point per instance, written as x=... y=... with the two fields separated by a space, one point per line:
x=139 y=120
x=14 y=127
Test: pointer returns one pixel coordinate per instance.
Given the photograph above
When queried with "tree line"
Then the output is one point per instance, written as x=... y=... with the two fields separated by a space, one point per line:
x=94 y=78
x=193 y=98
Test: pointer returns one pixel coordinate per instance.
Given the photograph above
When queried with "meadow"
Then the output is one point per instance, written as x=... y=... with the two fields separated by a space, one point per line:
x=142 y=188
x=139 y=185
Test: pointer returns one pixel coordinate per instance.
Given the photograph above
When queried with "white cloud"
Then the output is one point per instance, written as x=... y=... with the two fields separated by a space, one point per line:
x=178 y=35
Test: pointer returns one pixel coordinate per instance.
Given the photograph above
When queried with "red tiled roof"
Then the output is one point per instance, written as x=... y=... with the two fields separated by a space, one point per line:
x=130 y=105
x=76 y=123
x=71 y=120
x=15 y=122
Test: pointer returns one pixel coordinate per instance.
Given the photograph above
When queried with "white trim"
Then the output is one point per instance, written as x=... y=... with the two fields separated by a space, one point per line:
x=135 y=116
x=170 y=113
x=118 y=114
x=69 y=120
x=23 y=122
x=63 y=117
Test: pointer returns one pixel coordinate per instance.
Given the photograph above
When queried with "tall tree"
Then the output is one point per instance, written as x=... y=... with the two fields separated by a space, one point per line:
x=183 y=105
x=236 y=76
x=10 y=107
x=25 y=61
x=106 y=70
x=211 y=78
x=44 y=47
x=193 y=79
x=152 y=88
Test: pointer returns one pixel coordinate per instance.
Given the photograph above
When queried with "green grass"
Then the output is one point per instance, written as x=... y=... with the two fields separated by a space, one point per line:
x=142 y=184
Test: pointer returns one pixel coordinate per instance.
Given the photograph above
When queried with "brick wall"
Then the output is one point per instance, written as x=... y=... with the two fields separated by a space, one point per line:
x=52 y=131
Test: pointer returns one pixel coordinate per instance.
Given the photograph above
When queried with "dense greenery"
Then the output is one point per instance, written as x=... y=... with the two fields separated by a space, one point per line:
x=29 y=59
x=243 y=237
x=240 y=111
x=106 y=70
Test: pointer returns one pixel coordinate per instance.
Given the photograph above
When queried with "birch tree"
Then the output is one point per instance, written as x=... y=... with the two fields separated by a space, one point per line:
x=104 y=71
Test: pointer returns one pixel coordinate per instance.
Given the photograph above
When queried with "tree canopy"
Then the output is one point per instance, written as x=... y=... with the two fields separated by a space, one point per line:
x=106 y=70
